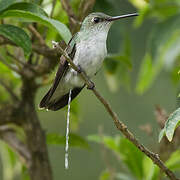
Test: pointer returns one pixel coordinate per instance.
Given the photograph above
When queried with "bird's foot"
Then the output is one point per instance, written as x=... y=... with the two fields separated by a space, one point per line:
x=79 y=69
x=55 y=44
x=91 y=85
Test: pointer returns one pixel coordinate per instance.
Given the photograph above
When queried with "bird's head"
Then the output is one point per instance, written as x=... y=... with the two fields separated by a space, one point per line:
x=98 y=22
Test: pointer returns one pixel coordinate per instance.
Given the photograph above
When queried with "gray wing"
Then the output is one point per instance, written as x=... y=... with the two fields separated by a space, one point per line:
x=63 y=68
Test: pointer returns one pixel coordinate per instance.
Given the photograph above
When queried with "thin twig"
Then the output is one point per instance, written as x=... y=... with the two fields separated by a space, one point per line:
x=26 y=72
x=9 y=65
x=67 y=7
x=84 y=8
x=120 y=125
x=15 y=58
x=36 y=34
x=39 y=49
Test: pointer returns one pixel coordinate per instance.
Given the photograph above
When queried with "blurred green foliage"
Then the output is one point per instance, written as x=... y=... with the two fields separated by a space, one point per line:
x=75 y=140
x=17 y=36
x=138 y=165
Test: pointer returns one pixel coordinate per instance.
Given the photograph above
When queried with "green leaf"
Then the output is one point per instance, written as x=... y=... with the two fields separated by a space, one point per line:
x=94 y=138
x=122 y=176
x=164 y=11
x=161 y=134
x=5 y=3
x=9 y=75
x=17 y=36
x=74 y=140
x=110 y=64
x=164 y=48
x=132 y=157
x=173 y=162
x=55 y=139
x=108 y=141
x=149 y=70
x=171 y=124
x=112 y=142
x=117 y=67
x=143 y=13
x=129 y=154
x=139 y=3
x=123 y=76
x=150 y=170
x=145 y=74
x=24 y=6
x=164 y=41
x=11 y=164
x=34 y=13
x=105 y=175
x=175 y=76
x=10 y=78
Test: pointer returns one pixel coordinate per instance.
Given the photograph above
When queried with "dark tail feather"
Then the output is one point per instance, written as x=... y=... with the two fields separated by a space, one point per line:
x=44 y=101
x=63 y=101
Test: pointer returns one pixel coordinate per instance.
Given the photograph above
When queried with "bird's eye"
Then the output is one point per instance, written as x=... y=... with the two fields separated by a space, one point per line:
x=96 y=19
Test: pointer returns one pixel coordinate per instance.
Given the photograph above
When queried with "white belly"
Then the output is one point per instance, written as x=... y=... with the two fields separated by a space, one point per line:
x=90 y=57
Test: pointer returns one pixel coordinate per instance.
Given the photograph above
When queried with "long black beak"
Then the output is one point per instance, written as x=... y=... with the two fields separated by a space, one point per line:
x=122 y=16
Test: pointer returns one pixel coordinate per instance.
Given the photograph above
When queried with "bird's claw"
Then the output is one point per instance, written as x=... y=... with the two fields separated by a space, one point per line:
x=79 y=69
x=91 y=86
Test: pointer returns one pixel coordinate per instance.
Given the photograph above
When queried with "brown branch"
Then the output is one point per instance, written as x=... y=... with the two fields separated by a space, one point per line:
x=37 y=35
x=49 y=61
x=45 y=51
x=35 y=136
x=9 y=90
x=9 y=65
x=67 y=7
x=10 y=114
x=84 y=8
x=41 y=50
x=72 y=17
x=14 y=58
x=9 y=136
x=120 y=125
x=26 y=71
x=23 y=114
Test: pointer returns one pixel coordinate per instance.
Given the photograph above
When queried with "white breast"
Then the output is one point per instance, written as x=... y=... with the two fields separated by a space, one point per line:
x=90 y=54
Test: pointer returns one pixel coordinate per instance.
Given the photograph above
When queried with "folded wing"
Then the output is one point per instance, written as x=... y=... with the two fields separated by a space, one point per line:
x=63 y=68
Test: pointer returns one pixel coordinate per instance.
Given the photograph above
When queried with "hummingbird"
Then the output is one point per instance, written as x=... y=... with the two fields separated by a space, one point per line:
x=87 y=49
